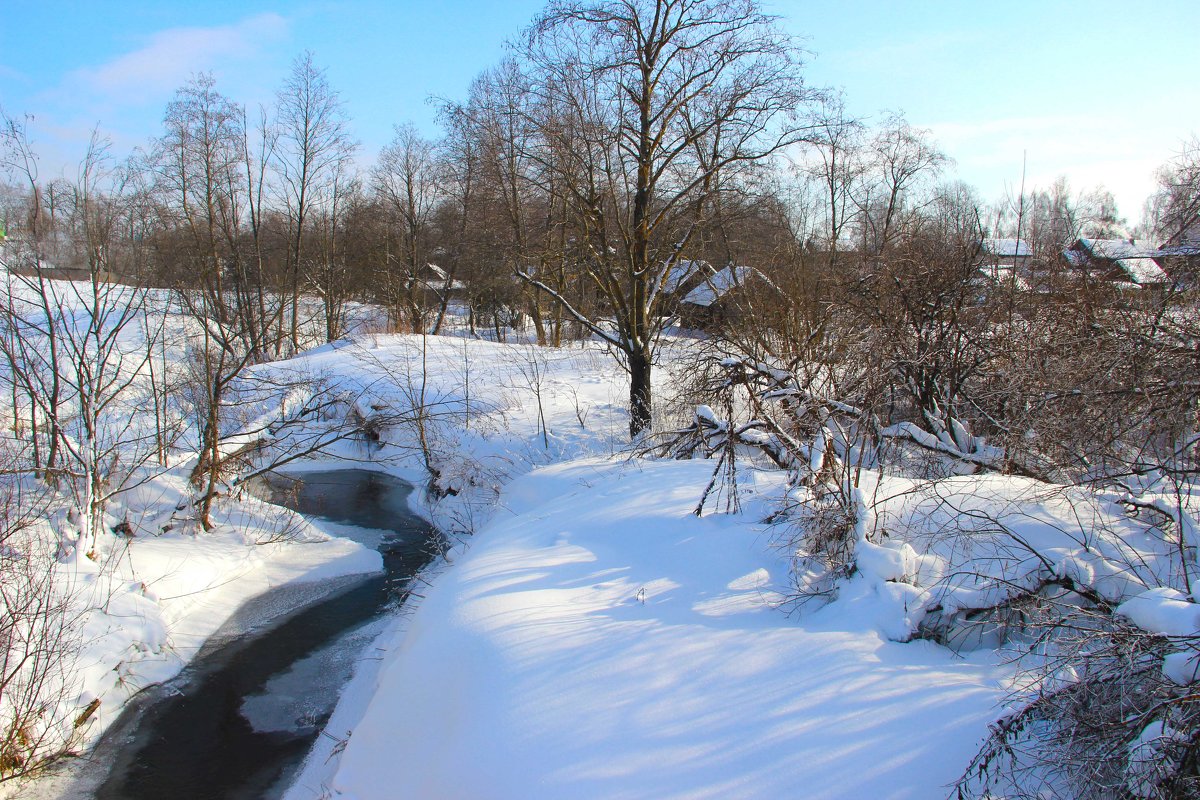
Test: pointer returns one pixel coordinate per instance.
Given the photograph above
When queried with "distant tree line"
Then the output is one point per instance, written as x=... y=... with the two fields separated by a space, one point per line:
x=618 y=140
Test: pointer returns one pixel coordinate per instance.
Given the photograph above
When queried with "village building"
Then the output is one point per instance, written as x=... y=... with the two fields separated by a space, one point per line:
x=723 y=296
x=1123 y=263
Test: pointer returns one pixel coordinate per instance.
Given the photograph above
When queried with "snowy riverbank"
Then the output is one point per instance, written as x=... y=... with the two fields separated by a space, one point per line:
x=594 y=638
x=588 y=635
x=598 y=640
x=151 y=605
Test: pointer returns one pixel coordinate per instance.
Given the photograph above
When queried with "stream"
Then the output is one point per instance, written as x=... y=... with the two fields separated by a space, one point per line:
x=239 y=720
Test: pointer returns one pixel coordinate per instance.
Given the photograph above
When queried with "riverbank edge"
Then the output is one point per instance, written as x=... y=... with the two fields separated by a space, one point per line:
x=321 y=761
x=77 y=777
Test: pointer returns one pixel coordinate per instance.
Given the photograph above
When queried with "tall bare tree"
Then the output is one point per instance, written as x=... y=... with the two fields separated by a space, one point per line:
x=204 y=183
x=67 y=345
x=647 y=110
x=313 y=149
x=40 y=382
x=900 y=158
x=1177 y=204
x=407 y=178
x=836 y=141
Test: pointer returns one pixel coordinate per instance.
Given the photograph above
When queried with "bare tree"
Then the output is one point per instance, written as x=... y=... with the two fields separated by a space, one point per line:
x=39 y=637
x=899 y=158
x=314 y=146
x=1176 y=206
x=836 y=139
x=521 y=191
x=647 y=110
x=462 y=170
x=39 y=382
x=330 y=274
x=201 y=169
x=261 y=315
x=103 y=446
x=407 y=177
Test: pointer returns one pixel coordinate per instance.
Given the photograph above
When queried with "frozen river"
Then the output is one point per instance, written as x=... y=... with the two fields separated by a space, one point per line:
x=239 y=720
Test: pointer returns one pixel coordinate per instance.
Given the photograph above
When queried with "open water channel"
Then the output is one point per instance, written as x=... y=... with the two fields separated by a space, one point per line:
x=239 y=720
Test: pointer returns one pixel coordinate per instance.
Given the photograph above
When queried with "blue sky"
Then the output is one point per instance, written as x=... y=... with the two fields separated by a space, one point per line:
x=1102 y=92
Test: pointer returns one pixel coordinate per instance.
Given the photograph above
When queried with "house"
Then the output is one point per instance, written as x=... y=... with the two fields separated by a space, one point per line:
x=681 y=278
x=1179 y=255
x=1014 y=253
x=1001 y=264
x=1123 y=263
x=437 y=280
x=987 y=280
x=685 y=275
x=724 y=295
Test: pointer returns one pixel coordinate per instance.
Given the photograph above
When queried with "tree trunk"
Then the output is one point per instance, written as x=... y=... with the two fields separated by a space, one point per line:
x=639 y=392
x=535 y=311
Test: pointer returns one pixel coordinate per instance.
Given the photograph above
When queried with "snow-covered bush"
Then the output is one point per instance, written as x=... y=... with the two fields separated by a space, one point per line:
x=39 y=637
x=1102 y=720
x=765 y=414
x=1089 y=585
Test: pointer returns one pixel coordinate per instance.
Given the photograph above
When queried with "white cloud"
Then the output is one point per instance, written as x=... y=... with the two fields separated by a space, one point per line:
x=171 y=56
x=125 y=96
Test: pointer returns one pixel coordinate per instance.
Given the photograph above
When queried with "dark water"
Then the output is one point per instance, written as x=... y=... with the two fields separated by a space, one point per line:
x=239 y=721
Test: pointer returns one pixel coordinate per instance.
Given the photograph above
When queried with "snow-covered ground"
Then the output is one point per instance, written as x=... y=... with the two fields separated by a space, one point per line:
x=598 y=640
x=589 y=636
x=595 y=638
x=145 y=610
x=155 y=586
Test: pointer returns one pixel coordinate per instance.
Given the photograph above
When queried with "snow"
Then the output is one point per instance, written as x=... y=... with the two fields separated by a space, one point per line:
x=972 y=542
x=683 y=271
x=143 y=604
x=1003 y=277
x=1131 y=257
x=1006 y=248
x=1112 y=248
x=1183 y=668
x=1163 y=611
x=151 y=611
x=441 y=279
x=718 y=285
x=589 y=635
x=1142 y=270
x=599 y=640
x=595 y=638
x=1145 y=773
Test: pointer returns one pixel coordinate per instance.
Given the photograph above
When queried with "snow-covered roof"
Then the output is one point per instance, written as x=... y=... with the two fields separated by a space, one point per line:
x=440 y=276
x=683 y=271
x=1143 y=270
x=716 y=286
x=1076 y=258
x=1111 y=248
x=1007 y=248
x=1133 y=259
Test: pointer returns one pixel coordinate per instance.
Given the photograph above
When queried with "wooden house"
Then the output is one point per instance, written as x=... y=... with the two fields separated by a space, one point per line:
x=1123 y=263
x=724 y=295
